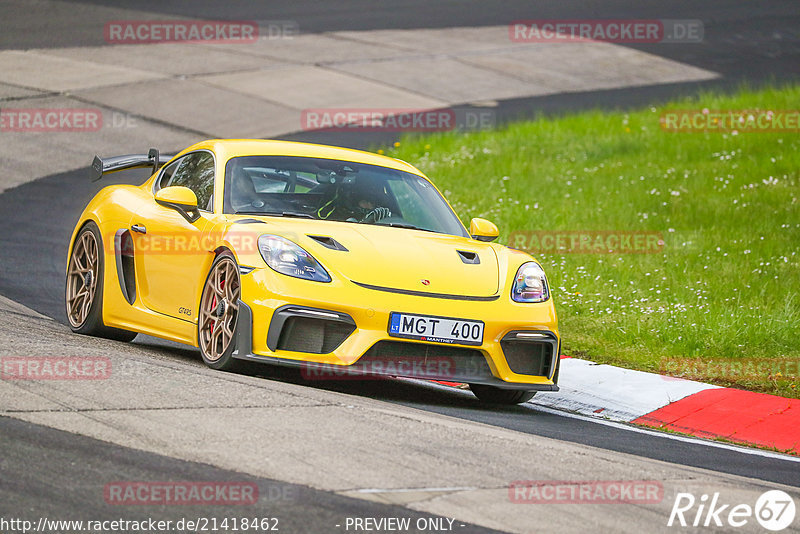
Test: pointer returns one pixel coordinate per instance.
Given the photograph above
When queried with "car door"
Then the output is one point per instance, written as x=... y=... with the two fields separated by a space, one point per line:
x=171 y=262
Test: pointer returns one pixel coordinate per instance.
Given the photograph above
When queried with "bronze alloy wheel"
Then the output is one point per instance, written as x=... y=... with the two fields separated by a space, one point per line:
x=82 y=276
x=219 y=307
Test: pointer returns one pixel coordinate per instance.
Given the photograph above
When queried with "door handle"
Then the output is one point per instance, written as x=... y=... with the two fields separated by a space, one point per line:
x=139 y=229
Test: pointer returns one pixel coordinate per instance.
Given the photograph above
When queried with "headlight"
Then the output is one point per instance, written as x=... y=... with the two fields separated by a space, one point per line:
x=530 y=284
x=289 y=259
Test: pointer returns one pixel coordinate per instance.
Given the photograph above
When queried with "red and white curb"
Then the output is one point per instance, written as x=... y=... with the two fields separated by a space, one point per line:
x=693 y=408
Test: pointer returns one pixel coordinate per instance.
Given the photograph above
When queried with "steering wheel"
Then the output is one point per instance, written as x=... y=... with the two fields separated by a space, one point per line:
x=376 y=215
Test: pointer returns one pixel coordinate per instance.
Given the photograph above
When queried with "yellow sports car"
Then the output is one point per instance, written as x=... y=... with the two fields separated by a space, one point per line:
x=338 y=261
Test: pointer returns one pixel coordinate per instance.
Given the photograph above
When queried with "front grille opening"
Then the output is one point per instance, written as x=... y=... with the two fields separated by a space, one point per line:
x=533 y=359
x=431 y=362
x=317 y=336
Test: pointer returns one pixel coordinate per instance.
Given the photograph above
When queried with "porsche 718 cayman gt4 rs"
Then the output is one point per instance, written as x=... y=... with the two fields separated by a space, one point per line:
x=338 y=261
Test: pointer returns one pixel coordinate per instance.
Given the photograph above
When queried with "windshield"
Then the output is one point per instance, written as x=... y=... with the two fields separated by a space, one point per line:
x=335 y=190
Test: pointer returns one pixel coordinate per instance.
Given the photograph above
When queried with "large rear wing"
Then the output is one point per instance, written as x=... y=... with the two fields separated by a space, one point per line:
x=131 y=161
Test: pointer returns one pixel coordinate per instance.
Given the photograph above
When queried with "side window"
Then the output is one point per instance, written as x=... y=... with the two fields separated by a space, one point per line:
x=195 y=171
x=166 y=174
x=269 y=183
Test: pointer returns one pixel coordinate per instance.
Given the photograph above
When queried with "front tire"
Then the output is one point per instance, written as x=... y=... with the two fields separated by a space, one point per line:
x=495 y=395
x=219 y=310
x=83 y=293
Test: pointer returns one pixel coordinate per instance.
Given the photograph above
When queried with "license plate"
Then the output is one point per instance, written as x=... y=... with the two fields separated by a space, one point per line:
x=435 y=329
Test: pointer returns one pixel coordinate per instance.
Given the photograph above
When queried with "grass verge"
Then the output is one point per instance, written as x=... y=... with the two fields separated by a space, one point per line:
x=720 y=301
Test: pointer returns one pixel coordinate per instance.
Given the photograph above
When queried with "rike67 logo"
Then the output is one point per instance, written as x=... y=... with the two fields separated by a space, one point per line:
x=774 y=510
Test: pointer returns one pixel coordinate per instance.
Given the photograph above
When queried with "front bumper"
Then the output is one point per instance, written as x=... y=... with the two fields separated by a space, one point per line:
x=519 y=351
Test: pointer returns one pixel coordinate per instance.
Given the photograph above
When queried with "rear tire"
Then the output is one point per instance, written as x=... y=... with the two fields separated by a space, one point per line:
x=495 y=395
x=219 y=311
x=83 y=293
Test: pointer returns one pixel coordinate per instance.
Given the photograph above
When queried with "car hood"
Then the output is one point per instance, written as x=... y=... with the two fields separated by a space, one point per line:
x=398 y=258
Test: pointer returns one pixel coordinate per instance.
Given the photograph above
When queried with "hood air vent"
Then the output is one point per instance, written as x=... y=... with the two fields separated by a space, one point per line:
x=328 y=242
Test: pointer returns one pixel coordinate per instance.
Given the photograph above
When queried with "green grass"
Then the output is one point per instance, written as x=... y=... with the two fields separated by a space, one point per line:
x=720 y=302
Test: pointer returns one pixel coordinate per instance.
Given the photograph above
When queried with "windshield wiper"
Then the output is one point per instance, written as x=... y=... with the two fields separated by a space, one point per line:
x=278 y=214
x=404 y=225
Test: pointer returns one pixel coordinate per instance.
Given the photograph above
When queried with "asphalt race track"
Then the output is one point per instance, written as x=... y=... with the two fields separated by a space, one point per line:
x=84 y=462
x=45 y=471
x=33 y=276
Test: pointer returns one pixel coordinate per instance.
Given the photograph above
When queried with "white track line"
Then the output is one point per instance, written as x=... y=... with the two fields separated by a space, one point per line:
x=640 y=430
x=667 y=435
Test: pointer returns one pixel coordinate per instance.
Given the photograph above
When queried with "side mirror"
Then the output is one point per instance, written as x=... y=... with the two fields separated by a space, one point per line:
x=182 y=199
x=483 y=230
